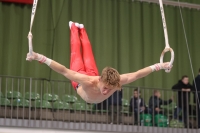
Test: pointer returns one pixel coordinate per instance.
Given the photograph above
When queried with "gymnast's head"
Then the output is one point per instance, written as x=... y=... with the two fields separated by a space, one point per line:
x=109 y=80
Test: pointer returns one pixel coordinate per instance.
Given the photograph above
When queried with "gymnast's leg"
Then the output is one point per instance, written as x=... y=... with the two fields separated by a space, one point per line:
x=88 y=57
x=76 y=60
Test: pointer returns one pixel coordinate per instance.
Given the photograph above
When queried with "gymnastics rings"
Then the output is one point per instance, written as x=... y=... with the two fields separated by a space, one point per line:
x=167 y=47
x=30 y=36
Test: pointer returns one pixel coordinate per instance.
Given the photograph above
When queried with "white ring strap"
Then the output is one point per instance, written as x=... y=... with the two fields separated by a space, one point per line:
x=167 y=47
x=30 y=36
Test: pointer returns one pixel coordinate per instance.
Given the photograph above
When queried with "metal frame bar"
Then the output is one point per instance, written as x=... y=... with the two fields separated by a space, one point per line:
x=174 y=3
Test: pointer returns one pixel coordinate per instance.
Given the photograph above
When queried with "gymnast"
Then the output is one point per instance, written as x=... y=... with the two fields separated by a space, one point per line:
x=83 y=71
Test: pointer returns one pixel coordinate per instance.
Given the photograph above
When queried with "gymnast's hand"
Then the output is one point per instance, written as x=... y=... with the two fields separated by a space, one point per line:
x=30 y=57
x=166 y=66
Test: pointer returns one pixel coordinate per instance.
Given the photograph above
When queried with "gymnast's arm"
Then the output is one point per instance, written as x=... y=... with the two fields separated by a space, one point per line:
x=130 y=77
x=70 y=74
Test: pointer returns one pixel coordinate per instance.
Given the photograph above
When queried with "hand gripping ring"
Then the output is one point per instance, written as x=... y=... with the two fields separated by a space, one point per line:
x=172 y=57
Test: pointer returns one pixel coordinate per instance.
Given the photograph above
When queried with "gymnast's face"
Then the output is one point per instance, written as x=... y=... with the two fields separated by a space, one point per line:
x=104 y=89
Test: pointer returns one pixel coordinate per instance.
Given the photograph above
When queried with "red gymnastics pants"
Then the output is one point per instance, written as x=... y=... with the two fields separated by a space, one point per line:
x=82 y=62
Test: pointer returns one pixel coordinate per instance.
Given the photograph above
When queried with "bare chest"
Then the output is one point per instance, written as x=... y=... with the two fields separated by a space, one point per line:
x=91 y=95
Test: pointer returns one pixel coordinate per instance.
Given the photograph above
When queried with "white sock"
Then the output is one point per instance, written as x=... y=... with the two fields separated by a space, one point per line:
x=77 y=24
x=81 y=26
x=70 y=24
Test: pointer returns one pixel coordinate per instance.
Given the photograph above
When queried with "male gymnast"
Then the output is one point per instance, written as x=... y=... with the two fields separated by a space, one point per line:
x=83 y=71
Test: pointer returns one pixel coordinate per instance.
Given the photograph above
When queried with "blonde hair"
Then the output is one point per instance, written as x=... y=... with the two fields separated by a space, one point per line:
x=111 y=77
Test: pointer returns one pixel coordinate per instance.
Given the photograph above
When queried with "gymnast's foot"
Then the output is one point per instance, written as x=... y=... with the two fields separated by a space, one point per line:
x=76 y=24
x=81 y=26
x=70 y=24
